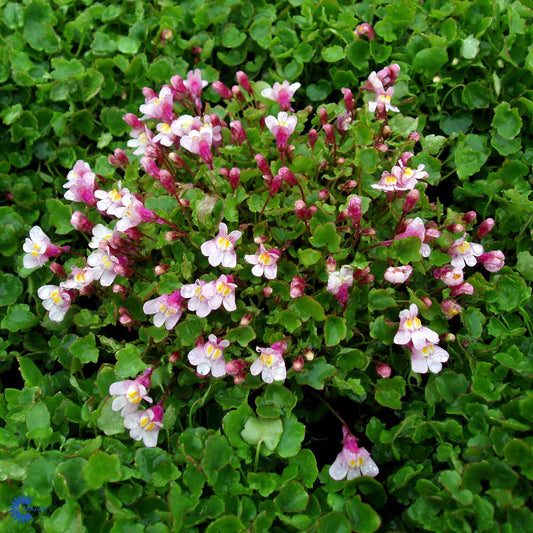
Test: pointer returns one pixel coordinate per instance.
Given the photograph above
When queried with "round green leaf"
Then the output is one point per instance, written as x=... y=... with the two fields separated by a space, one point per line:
x=507 y=121
x=10 y=289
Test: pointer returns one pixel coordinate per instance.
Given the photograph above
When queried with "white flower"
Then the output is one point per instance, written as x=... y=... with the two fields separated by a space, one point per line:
x=270 y=364
x=337 y=279
x=129 y=394
x=350 y=465
x=79 y=278
x=103 y=264
x=209 y=357
x=264 y=261
x=430 y=357
x=35 y=247
x=221 y=249
x=166 y=309
x=145 y=425
x=56 y=300
x=110 y=201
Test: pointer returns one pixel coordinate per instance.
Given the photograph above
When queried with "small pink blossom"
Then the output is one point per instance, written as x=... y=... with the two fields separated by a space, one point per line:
x=132 y=213
x=158 y=107
x=415 y=228
x=209 y=357
x=270 y=364
x=364 y=29
x=492 y=261
x=411 y=330
x=398 y=274
x=102 y=237
x=405 y=175
x=38 y=248
x=355 y=205
x=164 y=135
x=111 y=201
x=80 y=222
x=429 y=357
x=464 y=253
x=129 y=393
x=145 y=425
x=199 y=294
x=166 y=309
x=194 y=84
x=56 y=300
x=281 y=127
x=265 y=262
x=382 y=104
x=79 y=278
x=141 y=140
x=339 y=282
x=452 y=278
x=297 y=287
x=184 y=124
x=389 y=183
x=450 y=308
x=80 y=184
x=463 y=288
x=281 y=94
x=223 y=294
x=103 y=264
x=221 y=249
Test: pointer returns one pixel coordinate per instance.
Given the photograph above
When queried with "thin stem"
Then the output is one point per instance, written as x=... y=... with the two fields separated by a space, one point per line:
x=330 y=408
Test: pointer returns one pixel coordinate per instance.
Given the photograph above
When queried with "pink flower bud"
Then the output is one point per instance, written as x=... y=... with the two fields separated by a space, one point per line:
x=493 y=261
x=297 y=287
x=331 y=264
x=340 y=161
x=364 y=29
x=312 y=136
x=382 y=147
x=330 y=134
x=238 y=135
x=119 y=289
x=177 y=84
x=349 y=185
x=243 y=81
x=456 y=228
x=151 y=151
x=470 y=217
x=386 y=132
x=485 y=228
x=122 y=270
x=234 y=177
x=246 y=319
x=450 y=308
x=267 y=291
x=343 y=215
x=448 y=337
x=224 y=172
x=431 y=234
x=348 y=99
x=260 y=239
x=79 y=221
x=298 y=364
x=176 y=159
x=309 y=354
x=464 y=288
x=196 y=50
x=323 y=114
x=58 y=270
x=287 y=176
x=166 y=35
x=368 y=232
x=427 y=301
x=161 y=269
x=222 y=90
x=167 y=181
x=133 y=121
x=384 y=370
x=355 y=210
x=235 y=367
x=174 y=357
x=263 y=165
x=414 y=136
x=323 y=194
x=302 y=211
x=411 y=199
x=119 y=159
x=149 y=93
x=238 y=93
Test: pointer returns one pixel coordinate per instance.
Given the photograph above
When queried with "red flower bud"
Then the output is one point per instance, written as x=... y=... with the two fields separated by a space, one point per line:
x=222 y=90
x=298 y=364
x=384 y=370
x=243 y=81
x=58 y=270
x=234 y=177
x=485 y=228
x=323 y=114
x=470 y=217
x=312 y=136
x=411 y=199
x=161 y=269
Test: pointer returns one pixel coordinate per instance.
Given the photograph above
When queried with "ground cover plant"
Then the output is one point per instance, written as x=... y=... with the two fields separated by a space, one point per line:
x=290 y=290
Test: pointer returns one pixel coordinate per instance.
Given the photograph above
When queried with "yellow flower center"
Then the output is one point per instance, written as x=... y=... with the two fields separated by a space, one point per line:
x=414 y=324
x=390 y=180
x=56 y=297
x=36 y=246
x=223 y=289
x=223 y=242
x=164 y=128
x=267 y=360
x=464 y=247
x=146 y=423
x=264 y=259
x=428 y=350
x=408 y=172
x=357 y=462
x=115 y=195
x=133 y=396
x=80 y=277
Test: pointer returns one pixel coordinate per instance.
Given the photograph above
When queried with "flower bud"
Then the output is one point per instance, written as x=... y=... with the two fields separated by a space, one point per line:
x=238 y=93
x=427 y=301
x=312 y=136
x=79 y=221
x=246 y=319
x=267 y=291
x=330 y=134
x=485 y=228
x=455 y=228
x=243 y=81
x=323 y=194
x=167 y=181
x=177 y=84
x=166 y=35
x=493 y=261
x=414 y=136
x=133 y=121
x=58 y=270
x=470 y=217
x=122 y=270
x=287 y=176
x=222 y=90
x=341 y=161
x=364 y=29
x=386 y=132
x=323 y=114
x=331 y=264
x=176 y=159
x=234 y=177
x=382 y=147
x=384 y=370
x=309 y=354
x=119 y=289
x=350 y=184
x=260 y=239
x=297 y=287
x=238 y=135
x=448 y=337
x=431 y=234
x=172 y=236
x=119 y=159
x=149 y=93
x=298 y=364
x=348 y=99
x=174 y=357
x=263 y=165
x=355 y=210
x=411 y=199
x=368 y=232
x=450 y=308
x=161 y=269
x=151 y=151
x=464 y=288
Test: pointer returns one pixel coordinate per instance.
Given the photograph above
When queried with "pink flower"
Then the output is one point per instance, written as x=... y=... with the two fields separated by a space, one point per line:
x=110 y=201
x=145 y=425
x=364 y=29
x=159 y=107
x=281 y=127
x=411 y=330
x=80 y=222
x=209 y=357
x=223 y=294
x=405 y=175
x=199 y=142
x=415 y=228
x=352 y=461
x=56 y=300
x=464 y=253
x=184 y=124
x=493 y=261
x=297 y=287
x=281 y=94
x=79 y=278
x=382 y=103
x=339 y=282
x=102 y=237
x=452 y=278
x=383 y=79
x=103 y=264
x=166 y=309
x=38 y=248
x=270 y=364
x=265 y=262
x=132 y=213
x=198 y=294
x=388 y=183
x=164 y=135
x=81 y=184
x=429 y=357
x=140 y=140
x=463 y=288
x=129 y=393
x=450 y=308
x=398 y=274
x=221 y=249
x=194 y=84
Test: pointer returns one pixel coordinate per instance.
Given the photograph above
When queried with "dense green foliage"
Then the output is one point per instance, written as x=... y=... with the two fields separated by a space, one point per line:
x=454 y=449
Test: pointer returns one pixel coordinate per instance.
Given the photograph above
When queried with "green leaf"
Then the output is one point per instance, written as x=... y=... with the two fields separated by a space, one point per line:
x=100 y=469
x=524 y=265
x=470 y=47
x=292 y=498
x=38 y=422
x=363 y=518
x=291 y=438
x=129 y=363
x=30 y=372
x=71 y=471
x=332 y=54
x=60 y=215
x=217 y=453
x=318 y=91
x=232 y=37
x=155 y=466
x=381 y=330
x=66 y=68
x=10 y=289
x=470 y=155
x=306 y=308
x=358 y=53
x=127 y=45
x=326 y=235
x=390 y=391
x=242 y=334
x=507 y=121
x=262 y=430
x=476 y=96
x=474 y=321
x=19 y=318
x=260 y=31
x=406 y=250
x=334 y=522
x=226 y=524
x=380 y=299
x=315 y=373
x=85 y=349
x=309 y=256
x=430 y=61
x=263 y=482
x=334 y=330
